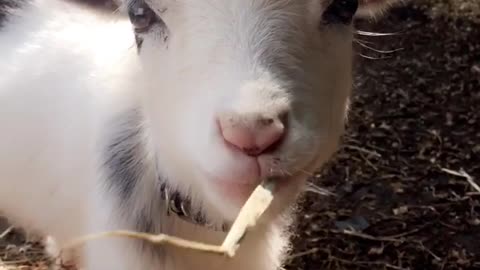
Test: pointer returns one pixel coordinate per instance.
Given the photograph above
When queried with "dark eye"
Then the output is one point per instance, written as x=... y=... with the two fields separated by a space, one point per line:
x=340 y=11
x=141 y=16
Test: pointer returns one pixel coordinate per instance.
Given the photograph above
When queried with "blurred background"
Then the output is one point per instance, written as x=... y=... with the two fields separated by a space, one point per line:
x=404 y=178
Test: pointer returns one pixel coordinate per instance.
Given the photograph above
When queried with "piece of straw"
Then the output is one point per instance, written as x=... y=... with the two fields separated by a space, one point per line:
x=249 y=214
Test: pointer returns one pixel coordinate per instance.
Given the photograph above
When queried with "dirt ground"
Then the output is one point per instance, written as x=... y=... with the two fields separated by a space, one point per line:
x=402 y=199
x=415 y=112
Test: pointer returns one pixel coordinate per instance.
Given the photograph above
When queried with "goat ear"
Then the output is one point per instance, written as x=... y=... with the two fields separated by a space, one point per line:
x=375 y=8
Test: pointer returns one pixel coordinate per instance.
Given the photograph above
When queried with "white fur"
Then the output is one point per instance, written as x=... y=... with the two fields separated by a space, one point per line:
x=66 y=71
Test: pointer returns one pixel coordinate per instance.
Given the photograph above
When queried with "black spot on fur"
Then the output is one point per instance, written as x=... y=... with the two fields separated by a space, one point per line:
x=6 y=6
x=105 y=5
x=126 y=164
x=125 y=154
x=139 y=41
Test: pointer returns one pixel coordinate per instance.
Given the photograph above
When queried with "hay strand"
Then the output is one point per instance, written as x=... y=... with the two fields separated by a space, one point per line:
x=249 y=214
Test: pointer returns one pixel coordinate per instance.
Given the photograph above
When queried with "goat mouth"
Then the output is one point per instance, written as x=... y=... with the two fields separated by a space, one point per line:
x=239 y=192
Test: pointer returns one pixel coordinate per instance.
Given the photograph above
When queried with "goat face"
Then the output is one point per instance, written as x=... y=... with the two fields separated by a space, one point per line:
x=240 y=90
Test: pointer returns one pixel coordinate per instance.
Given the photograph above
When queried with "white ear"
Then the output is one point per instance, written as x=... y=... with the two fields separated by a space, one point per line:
x=374 y=8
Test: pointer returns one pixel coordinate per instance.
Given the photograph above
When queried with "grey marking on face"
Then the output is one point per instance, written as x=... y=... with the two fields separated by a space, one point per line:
x=100 y=5
x=125 y=154
x=126 y=164
x=139 y=42
x=6 y=8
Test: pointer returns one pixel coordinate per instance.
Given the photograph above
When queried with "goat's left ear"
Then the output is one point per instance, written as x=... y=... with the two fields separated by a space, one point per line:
x=375 y=8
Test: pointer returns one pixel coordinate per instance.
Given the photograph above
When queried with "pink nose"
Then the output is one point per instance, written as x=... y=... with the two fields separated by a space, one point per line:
x=253 y=134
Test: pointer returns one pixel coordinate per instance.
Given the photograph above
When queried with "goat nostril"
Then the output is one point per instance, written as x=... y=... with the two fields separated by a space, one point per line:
x=254 y=135
x=266 y=121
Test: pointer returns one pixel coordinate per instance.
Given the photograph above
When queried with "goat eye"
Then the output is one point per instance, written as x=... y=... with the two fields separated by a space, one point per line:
x=340 y=11
x=141 y=16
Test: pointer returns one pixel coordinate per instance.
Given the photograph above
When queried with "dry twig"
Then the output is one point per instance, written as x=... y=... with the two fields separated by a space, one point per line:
x=6 y=232
x=464 y=174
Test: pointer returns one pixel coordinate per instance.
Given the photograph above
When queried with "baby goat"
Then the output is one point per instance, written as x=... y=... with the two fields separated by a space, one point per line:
x=168 y=128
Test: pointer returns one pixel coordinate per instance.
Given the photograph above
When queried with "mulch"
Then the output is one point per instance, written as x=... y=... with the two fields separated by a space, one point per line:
x=413 y=139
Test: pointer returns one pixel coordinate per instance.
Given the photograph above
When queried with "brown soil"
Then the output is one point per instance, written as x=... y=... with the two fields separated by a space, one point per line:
x=415 y=112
